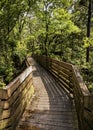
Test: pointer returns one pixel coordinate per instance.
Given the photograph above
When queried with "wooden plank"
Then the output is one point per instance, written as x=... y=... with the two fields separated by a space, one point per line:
x=5 y=123
x=79 y=81
x=4 y=114
x=62 y=70
x=16 y=82
x=17 y=115
x=3 y=94
x=15 y=96
x=63 y=82
x=63 y=64
x=19 y=90
x=7 y=114
x=21 y=98
x=88 y=116
x=69 y=78
x=88 y=102
x=64 y=79
x=66 y=86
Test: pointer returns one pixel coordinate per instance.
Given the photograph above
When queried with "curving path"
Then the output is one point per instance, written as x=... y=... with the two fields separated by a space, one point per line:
x=51 y=109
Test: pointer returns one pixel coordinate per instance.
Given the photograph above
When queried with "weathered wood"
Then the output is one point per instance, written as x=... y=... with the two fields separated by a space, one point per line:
x=62 y=64
x=3 y=94
x=51 y=108
x=4 y=123
x=81 y=95
x=13 y=85
x=14 y=98
x=70 y=80
x=88 y=102
x=88 y=112
x=18 y=92
x=88 y=120
x=13 y=102
x=61 y=70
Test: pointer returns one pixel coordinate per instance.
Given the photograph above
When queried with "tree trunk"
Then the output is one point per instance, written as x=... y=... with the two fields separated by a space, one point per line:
x=88 y=29
x=46 y=38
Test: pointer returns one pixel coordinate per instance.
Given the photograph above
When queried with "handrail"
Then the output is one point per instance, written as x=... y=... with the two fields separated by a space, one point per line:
x=14 y=98
x=27 y=61
x=68 y=76
x=83 y=101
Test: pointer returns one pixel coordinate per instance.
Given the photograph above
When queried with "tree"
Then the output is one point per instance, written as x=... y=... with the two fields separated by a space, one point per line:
x=89 y=5
x=88 y=28
x=12 y=16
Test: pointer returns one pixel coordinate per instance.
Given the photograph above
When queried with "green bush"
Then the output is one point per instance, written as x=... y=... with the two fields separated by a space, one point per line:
x=90 y=86
x=9 y=74
x=2 y=84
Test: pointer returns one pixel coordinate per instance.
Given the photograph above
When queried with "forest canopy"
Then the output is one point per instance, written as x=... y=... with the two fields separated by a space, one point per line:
x=61 y=29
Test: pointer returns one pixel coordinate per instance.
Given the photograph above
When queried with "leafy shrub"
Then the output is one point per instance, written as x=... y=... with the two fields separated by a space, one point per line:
x=9 y=72
x=2 y=84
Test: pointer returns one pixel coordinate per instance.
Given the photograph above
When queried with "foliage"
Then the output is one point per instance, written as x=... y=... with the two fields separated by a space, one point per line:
x=49 y=27
x=2 y=84
x=88 y=42
x=90 y=86
x=12 y=48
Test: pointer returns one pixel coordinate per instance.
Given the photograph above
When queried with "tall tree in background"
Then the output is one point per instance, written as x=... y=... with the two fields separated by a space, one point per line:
x=88 y=28
x=11 y=12
x=83 y=3
x=49 y=27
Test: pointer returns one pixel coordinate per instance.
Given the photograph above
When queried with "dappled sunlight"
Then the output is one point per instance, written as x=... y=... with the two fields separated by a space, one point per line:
x=51 y=108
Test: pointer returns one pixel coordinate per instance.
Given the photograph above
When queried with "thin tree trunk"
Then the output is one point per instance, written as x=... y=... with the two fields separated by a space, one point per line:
x=88 y=29
x=46 y=38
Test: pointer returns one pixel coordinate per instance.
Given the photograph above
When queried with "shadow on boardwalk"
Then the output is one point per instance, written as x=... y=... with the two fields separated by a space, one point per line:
x=51 y=108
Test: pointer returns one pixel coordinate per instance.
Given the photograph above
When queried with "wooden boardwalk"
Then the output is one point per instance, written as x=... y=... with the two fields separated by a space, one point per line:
x=51 y=109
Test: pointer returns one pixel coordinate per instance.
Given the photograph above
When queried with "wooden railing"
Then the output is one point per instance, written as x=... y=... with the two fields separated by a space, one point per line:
x=14 y=98
x=69 y=78
x=83 y=101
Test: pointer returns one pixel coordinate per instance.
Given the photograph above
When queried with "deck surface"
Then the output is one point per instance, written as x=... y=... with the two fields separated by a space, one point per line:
x=51 y=109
